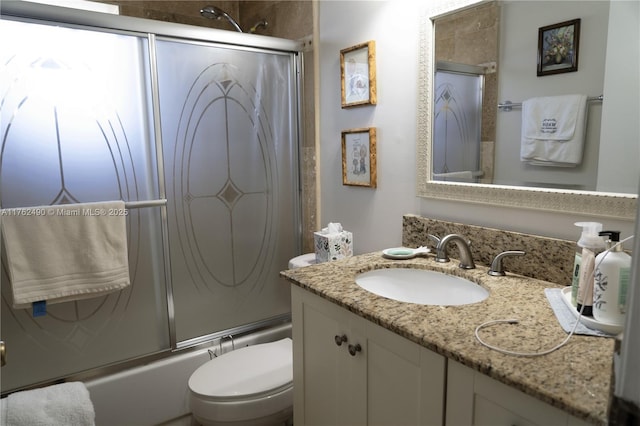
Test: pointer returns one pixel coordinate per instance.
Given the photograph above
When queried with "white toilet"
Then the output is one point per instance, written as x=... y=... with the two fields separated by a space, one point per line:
x=302 y=260
x=249 y=386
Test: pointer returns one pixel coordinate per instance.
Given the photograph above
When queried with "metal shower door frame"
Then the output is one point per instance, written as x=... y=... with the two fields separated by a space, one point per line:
x=149 y=29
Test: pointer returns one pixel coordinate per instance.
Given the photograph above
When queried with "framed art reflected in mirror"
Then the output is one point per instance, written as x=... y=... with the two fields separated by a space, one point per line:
x=558 y=47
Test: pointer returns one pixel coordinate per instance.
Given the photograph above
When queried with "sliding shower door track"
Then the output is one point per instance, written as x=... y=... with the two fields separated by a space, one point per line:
x=245 y=335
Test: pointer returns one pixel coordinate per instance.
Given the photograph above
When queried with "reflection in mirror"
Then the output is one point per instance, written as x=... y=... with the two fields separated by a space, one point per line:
x=499 y=41
x=466 y=49
x=457 y=120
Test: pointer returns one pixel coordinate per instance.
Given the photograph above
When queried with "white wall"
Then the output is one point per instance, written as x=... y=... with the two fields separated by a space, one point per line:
x=518 y=81
x=624 y=151
x=375 y=215
x=620 y=112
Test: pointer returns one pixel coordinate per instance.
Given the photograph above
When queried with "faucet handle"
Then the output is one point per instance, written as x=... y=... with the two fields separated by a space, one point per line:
x=496 y=269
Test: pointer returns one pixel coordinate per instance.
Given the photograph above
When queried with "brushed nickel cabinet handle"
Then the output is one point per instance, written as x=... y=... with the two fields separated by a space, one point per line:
x=354 y=349
x=340 y=339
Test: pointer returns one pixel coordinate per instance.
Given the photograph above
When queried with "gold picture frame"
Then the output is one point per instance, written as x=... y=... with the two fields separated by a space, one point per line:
x=358 y=75
x=359 y=165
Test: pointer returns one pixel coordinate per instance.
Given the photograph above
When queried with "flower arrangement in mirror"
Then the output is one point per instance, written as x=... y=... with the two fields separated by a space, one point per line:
x=558 y=47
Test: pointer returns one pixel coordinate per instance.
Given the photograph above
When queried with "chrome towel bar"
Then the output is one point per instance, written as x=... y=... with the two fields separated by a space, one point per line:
x=508 y=105
x=146 y=203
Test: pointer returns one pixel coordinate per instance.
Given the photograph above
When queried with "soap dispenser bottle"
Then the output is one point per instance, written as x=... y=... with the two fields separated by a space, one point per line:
x=613 y=268
x=589 y=245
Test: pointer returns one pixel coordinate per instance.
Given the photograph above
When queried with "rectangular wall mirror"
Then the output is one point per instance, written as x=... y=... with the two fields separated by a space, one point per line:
x=495 y=44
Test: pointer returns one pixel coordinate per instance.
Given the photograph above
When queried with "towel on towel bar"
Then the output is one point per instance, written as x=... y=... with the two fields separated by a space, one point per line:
x=57 y=405
x=67 y=252
x=553 y=130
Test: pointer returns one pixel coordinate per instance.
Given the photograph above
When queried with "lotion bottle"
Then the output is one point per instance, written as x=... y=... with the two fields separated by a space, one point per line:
x=613 y=268
x=589 y=245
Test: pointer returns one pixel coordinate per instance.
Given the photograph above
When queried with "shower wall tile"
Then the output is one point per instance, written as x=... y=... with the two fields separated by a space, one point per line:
x=309 y=222
x=183 y=12
x=286 y=19
x=489 y=107
x=487 y=149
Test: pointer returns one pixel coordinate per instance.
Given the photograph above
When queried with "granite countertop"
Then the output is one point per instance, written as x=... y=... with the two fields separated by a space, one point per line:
x=575 y=378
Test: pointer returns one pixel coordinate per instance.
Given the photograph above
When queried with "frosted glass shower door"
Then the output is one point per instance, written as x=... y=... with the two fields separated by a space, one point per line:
x=456 y=127
x=75 y=127
x=230 y=157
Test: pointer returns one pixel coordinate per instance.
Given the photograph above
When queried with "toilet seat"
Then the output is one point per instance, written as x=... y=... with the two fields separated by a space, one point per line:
x=245 y=385
x=249 y=372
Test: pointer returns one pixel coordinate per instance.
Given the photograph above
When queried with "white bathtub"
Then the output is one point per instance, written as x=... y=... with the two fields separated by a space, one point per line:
x=157 y=393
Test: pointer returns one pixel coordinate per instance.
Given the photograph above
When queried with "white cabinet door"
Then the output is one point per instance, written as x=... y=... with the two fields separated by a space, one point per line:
x=476 y=399
x=327 y=380
x=405 y=382
x=375 y=377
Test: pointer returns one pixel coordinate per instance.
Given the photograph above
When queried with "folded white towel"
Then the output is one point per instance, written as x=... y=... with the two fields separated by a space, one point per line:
x=63 y=253
x=553 y=130
x=57 y=405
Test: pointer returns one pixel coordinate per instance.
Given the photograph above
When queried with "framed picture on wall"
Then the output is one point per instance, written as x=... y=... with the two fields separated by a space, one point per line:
x=359 y=157
x=558 y=47
x=358 y=74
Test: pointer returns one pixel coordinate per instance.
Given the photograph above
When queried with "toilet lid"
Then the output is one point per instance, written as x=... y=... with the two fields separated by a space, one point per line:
x=302 y=260
x=247 y=371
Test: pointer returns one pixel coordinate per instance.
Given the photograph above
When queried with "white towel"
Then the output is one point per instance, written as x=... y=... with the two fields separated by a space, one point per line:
x=64 y=253
x=553 y=130
x=57 y=405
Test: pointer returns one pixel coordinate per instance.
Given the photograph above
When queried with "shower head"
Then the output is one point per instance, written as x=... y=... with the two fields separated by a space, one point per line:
x=213 y=12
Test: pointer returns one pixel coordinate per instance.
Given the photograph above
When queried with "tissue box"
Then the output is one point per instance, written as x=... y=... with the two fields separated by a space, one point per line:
x=332 y=246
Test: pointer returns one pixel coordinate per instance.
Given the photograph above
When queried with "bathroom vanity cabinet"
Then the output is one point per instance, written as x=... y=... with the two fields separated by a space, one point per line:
x=422 y=364
x=476 y=399
x=349 y=371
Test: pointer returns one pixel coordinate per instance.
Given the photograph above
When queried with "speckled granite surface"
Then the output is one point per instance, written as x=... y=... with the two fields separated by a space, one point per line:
x=575 y=378
x=547 y=259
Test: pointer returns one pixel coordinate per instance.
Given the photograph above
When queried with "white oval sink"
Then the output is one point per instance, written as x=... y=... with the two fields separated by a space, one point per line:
x=421 y=286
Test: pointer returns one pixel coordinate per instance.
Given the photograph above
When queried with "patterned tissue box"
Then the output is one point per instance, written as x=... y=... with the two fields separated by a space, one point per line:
x=332 y=246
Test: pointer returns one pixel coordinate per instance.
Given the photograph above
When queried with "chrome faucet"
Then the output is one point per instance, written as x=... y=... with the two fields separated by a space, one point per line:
x=466 y=259
x=497 y=269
